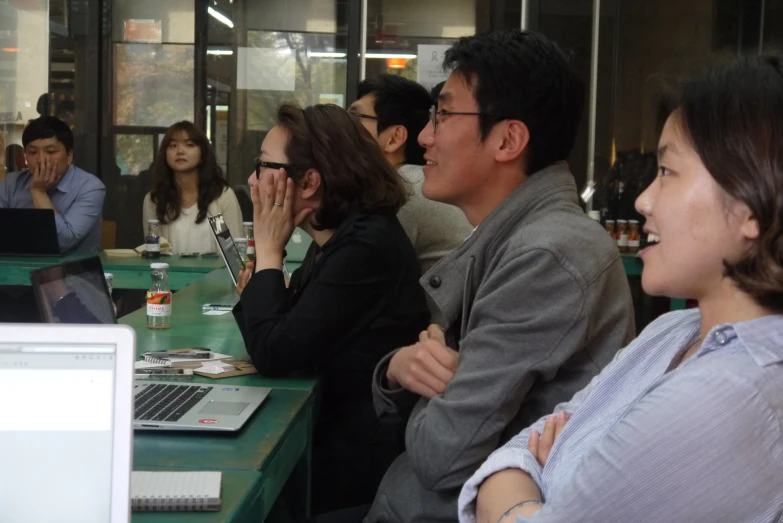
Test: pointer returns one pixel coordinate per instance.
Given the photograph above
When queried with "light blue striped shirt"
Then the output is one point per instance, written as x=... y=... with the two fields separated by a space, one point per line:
x=78 y=200
x=701 y=443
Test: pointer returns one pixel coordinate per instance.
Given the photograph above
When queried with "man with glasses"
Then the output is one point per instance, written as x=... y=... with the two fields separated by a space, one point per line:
x=536 y=300
x=395 y=110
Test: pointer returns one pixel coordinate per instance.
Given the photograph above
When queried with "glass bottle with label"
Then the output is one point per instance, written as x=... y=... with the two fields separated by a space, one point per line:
x=159 y=298
x=633 y=236
x=609 y=226
x=251 y=242
x=622 y=235
x=152 y=240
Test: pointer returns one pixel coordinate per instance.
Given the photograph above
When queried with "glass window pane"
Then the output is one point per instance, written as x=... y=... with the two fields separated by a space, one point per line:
x=24 y=72
x=403 y=35
x=291 y=67
x=153 y=84
x=134 y=152
x=274 y=53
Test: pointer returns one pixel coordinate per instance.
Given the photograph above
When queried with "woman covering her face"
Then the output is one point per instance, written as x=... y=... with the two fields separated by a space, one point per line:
x=355 y=299
x=686 y=424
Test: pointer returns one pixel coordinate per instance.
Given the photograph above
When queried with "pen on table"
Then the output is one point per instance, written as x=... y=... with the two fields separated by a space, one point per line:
x=217 y=308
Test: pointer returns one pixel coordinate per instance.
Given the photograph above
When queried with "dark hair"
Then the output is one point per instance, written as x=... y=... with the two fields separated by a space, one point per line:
x=43 y=105
x=522 y=75
x=166 y=195
x=733 y=117
x=355 y=176
x=435 y=91
x=399 y=101
x=65 y=107
x=13 y=152
x=45 y=127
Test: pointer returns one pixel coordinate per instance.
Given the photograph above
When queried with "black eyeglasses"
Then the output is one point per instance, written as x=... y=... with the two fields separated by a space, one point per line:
x=270 y=165
x=362 y=115
x=436 y=116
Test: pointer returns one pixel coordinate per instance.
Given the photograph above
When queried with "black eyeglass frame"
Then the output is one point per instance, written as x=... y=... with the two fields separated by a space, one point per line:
x=357 y=114
x=271 y=165
x=434 y=114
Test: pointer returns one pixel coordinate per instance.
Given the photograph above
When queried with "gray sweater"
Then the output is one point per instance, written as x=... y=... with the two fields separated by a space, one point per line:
x=537 y=303
x=435 y=229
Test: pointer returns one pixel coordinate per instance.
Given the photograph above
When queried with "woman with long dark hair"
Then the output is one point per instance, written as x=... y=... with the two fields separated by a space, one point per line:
x=189 y=186
x=355 y=299
x=686 y=424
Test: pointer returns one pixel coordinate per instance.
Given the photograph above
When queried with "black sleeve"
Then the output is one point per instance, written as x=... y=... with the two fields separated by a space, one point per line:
x=350 y=286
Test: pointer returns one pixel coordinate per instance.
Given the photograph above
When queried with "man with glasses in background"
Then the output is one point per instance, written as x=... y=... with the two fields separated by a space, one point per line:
x=395 y=110
x=536 y=301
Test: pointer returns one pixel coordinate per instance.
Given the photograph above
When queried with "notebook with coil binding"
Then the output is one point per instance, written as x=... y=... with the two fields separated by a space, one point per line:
x=175 y=491
x=157 y=361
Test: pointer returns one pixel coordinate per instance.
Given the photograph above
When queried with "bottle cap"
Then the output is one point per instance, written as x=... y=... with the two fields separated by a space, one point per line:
x=159 y=265
x=633 y=221
x=595 y=215
x=247 y=224
x=609 y=221
x=153 y=222
x=622 y=221
x=108 y=275
x=237 y=240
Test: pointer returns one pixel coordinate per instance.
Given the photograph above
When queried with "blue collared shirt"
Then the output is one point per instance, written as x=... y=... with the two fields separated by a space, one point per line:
x=78 y=200
x=647 y=442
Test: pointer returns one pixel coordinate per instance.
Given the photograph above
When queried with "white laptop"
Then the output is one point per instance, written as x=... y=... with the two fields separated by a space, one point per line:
x=75 y=292
x=66 y=423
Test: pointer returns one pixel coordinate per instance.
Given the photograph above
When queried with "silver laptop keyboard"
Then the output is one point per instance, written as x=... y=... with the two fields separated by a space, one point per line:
x=165 y=402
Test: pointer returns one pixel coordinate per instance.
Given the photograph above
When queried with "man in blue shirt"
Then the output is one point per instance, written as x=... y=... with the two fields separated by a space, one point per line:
x=52 y=182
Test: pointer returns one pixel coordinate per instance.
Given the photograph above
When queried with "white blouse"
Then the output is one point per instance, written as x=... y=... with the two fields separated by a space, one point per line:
x=185 y=235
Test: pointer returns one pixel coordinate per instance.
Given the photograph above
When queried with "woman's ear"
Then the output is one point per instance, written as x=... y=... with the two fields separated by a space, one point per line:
x=310 y=183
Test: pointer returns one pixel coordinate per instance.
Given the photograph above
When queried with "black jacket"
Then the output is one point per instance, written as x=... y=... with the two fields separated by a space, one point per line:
x=351 y=303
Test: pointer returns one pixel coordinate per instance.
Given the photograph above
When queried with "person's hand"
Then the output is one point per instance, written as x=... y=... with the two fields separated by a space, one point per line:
x=425 y=368
x=244 y=277
x=273 y=217
x=541 y=444
x=45 y=176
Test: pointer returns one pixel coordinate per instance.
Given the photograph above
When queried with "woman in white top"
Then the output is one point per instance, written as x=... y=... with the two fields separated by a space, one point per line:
x=189 y=186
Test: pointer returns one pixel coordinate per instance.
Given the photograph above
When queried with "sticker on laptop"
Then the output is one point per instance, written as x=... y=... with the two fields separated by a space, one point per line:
x=208 y=421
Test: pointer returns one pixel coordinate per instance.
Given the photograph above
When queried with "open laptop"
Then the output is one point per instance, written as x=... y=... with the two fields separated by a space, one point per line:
x=28 y=232
x=66 y=423
x=228 y=249
x=159 y=405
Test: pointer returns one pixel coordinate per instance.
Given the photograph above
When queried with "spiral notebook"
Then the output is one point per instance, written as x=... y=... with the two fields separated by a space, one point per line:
x=175 y=491
x=150 y=362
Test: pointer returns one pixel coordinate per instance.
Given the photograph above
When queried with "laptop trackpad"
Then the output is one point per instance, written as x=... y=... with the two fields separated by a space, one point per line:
x=226 y=408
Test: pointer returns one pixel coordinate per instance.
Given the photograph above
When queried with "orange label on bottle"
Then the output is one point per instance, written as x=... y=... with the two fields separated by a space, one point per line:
x=159 y=303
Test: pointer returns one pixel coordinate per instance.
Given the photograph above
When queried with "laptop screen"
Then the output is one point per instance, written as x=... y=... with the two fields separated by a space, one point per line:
x=73 y=292
x=228 y=248
x=56 y=422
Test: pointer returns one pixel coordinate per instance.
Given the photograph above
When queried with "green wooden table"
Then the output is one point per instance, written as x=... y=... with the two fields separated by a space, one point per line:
x=129 y=272
x=272 y=450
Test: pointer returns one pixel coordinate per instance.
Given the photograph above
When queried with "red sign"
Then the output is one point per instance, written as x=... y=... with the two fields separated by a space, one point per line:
x=208 y=421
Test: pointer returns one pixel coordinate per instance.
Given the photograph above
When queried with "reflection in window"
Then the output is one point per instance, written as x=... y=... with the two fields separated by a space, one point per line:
x=277 y=67
x=153 y=84
x=409 y=37
x=135 y=152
